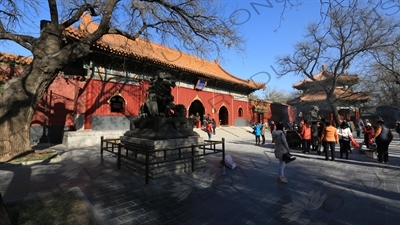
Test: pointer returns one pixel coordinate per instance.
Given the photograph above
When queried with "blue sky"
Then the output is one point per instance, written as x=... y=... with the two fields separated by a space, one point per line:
x=268 y=33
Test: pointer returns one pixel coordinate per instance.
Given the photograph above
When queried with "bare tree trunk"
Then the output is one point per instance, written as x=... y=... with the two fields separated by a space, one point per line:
x=16 y=143
x=22 y=94
x=18 y=104
x=333 y=105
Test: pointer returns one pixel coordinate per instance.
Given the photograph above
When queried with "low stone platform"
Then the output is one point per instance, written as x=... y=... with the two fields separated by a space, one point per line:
x=87 y=138
x=160 y=168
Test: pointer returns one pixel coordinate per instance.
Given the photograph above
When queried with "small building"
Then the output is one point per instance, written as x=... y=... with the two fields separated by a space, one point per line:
x=265 y=111
x=313 y=95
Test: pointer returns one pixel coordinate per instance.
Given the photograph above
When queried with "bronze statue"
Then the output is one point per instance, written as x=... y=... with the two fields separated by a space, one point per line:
x=160 y=101
x=159 y=117
x=313 y=116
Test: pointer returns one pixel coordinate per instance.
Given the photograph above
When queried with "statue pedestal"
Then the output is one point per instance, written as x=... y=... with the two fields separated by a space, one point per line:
x=161 y=168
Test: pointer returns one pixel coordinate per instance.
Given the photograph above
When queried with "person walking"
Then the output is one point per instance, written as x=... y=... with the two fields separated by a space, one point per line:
x=214 y=125
x=383 y=136
x=329 y=138
x=209 y=130
x=306 y=136
x=272 y=127
x=263 y=129
x=344 y=139
x=281 y=147
x=257 y=132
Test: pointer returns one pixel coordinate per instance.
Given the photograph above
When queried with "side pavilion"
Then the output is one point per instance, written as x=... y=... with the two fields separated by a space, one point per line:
x=312 y=95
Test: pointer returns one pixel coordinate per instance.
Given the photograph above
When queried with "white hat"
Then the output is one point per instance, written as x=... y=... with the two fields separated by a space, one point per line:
x=368 y=124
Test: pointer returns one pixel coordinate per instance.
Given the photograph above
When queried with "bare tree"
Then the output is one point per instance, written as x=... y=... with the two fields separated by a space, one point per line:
x=380 y=84
x=200 y=25
x=275 y=95
x=344 y=36
x=388 y=62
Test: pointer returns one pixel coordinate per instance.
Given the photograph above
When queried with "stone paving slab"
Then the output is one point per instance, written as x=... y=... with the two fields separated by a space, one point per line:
x=353 y=191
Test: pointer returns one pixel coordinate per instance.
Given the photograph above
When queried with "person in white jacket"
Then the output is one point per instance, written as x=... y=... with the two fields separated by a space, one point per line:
x=281 y=147
x=345 y=134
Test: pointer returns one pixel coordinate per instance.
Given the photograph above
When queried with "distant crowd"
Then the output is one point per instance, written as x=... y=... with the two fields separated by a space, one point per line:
x=321 y=136
x=205 y=122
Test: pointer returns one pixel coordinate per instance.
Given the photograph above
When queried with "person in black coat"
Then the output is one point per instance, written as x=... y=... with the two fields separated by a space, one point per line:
x=214 y=125
x=314 y=136
x=321 y=127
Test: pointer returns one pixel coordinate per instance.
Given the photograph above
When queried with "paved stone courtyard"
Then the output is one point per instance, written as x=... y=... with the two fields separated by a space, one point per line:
x=354 y=191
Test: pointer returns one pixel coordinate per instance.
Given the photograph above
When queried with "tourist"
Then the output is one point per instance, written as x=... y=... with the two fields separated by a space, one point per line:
x=281 y=147
x=368 y=132
x=191 y=117
x=321 y=127
x=257 y=132
x=209 y=130
x=345 y=134
x=197 y=120
x=204 y=120
x=314 y=136
x=272 y=126
x=263 y=129
x=306 y=136
x=214 y=125
x=208 y=118
x=383 y=136
x=359 y=124
x=329 y=138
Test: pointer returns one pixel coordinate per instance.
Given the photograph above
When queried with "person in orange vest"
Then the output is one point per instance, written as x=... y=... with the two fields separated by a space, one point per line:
x=306 y=136
x=329 y=138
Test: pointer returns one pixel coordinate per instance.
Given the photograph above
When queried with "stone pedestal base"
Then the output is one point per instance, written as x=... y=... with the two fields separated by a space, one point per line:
x=161 y=168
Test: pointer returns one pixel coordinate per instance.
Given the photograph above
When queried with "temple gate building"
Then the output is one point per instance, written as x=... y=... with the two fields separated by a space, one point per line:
x=103 y=91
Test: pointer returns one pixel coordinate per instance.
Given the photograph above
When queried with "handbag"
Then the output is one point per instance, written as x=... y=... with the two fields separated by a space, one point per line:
x=287 y=157
x=354 y=143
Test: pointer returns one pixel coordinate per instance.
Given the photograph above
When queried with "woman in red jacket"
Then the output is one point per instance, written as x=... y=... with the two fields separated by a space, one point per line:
x=306 y=136
x=368 y=132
